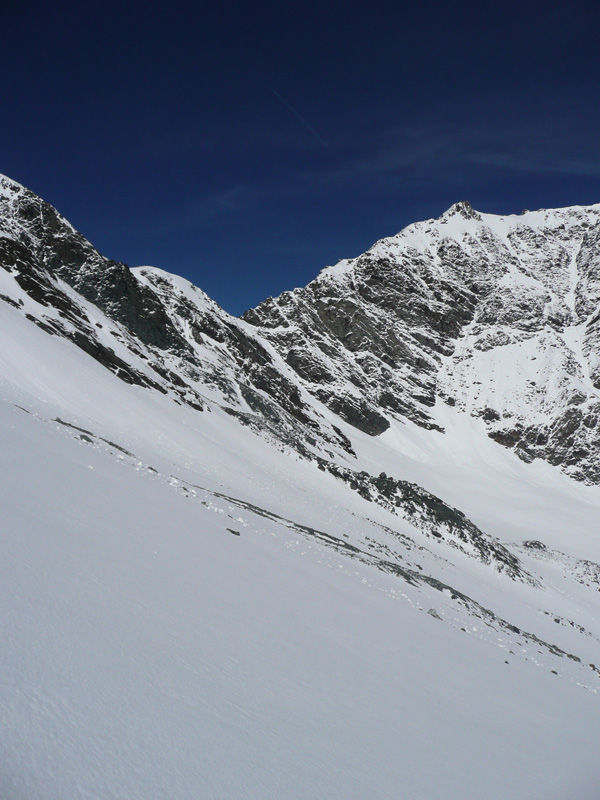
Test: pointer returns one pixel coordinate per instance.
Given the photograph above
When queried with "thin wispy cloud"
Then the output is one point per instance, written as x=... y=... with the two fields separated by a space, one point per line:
x=303 y=121
x=421 y=152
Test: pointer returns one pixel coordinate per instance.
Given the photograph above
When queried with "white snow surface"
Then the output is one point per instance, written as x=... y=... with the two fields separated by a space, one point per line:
x=151 y=652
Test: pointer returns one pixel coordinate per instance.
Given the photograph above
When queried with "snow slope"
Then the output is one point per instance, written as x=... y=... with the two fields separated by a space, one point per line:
x=150 y=652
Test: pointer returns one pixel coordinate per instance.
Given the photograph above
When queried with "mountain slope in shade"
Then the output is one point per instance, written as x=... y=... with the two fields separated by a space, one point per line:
x=220 y=581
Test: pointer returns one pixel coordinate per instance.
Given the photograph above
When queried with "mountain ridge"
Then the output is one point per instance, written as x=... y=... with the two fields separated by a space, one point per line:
x=412 y=322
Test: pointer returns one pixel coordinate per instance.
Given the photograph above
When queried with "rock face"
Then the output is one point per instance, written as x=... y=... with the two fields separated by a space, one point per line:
x=498 y=317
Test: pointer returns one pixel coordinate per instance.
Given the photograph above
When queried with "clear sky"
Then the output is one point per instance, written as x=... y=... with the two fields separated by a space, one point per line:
x=246 y=145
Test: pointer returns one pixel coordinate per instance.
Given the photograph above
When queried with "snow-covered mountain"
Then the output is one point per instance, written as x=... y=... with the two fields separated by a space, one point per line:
x=346 y=543
x=498 y=316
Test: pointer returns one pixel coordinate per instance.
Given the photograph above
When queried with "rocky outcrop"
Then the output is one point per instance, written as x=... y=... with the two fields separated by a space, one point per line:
x=431 y=515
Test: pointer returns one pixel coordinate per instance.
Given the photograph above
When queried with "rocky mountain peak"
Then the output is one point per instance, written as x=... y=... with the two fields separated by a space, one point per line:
x=464 y=209
x=496 y=316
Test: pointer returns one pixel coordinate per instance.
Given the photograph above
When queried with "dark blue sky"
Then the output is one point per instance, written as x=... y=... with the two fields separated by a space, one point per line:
x=246 y=145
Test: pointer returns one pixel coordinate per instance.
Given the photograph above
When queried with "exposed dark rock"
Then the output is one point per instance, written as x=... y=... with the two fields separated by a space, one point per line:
x=432 y=516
